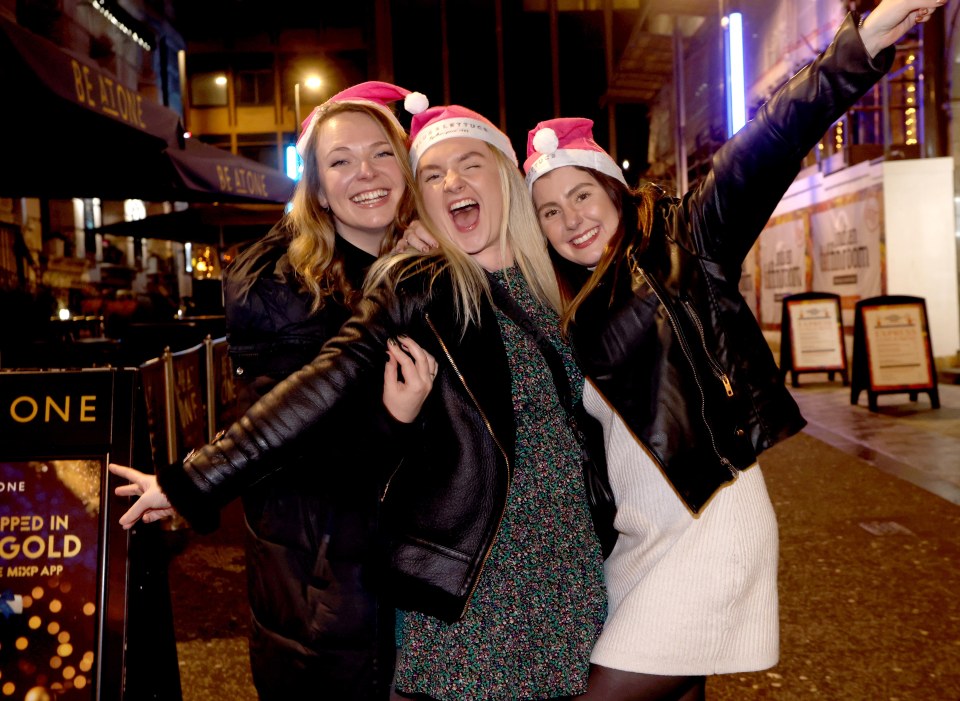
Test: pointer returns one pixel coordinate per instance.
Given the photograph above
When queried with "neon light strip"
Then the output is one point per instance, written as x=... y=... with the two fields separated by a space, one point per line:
x=292 y=163
x=736 y=93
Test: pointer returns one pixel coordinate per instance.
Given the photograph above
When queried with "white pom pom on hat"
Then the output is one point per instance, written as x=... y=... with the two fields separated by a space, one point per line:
x=545 y=140
x=566 y=141
x=415 y=103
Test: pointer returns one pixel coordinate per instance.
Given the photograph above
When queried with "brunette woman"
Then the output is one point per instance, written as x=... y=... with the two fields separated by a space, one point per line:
x=681 y=376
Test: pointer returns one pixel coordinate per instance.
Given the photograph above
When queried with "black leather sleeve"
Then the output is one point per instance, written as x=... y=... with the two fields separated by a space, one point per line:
x=350 y=363
x=727 y=211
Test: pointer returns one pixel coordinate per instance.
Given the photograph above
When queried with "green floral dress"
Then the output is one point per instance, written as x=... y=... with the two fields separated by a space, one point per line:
x=540 y=602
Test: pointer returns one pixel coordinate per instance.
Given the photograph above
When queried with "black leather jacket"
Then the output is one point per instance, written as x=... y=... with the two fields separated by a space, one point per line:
x=678 y=353
x=311 y=539
x=442 y=505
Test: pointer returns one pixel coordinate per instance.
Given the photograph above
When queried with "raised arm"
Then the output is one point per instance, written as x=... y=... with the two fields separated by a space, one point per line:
x=750 y=173
x=887 y=24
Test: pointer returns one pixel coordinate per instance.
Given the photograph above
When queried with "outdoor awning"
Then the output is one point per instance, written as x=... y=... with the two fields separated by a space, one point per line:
x=71 y=129
x=219 y=225
x=204 y=169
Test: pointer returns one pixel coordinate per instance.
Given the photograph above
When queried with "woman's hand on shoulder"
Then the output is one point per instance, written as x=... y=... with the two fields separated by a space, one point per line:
x=891 y=19
x=404 y=397
x=152 y=504
x=417 y=237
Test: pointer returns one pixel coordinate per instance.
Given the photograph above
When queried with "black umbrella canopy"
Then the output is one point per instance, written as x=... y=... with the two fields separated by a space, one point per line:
x=219 y=225
x=73 y=130
x=207 y=170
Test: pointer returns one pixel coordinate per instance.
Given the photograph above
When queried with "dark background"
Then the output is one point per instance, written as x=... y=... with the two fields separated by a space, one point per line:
x=472 y=49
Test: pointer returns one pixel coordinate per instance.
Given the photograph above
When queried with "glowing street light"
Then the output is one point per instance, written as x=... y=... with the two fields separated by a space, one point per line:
x=311 y=82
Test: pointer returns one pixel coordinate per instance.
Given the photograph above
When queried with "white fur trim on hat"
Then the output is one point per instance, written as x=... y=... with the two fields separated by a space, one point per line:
x=453 y=127
x=318 y=111
x=597 y=160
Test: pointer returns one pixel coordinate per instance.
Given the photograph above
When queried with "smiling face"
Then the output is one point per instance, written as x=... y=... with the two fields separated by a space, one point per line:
x=460 y=182
x=576 y=214
x=361 y=178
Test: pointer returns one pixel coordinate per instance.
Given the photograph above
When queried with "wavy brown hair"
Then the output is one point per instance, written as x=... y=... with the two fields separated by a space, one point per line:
x=636 y=209
x=311 y=227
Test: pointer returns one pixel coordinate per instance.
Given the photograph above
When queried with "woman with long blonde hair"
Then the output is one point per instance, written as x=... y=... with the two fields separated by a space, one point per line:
x=490 y=554
x=316 y=621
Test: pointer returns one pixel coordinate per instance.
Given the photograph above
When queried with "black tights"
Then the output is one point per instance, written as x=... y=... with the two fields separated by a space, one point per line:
x=616 y=685
x=397 y=696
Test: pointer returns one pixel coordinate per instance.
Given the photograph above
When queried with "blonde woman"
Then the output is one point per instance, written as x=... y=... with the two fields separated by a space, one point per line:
x=491 y=556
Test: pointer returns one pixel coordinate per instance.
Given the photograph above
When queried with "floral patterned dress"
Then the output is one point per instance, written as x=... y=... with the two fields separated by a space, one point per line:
x=540 y=602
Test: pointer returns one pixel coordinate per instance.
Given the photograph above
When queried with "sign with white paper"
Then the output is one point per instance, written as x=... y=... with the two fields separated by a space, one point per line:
x=816 y=340
x=845 y=236
x=898 y=347
x=783 y=264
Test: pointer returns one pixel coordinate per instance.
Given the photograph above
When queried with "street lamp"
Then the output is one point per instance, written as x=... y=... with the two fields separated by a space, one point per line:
x=311 y=82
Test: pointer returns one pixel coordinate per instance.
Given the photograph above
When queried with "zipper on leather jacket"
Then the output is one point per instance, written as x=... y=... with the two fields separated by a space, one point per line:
x=640 y=274
x=506 y=459
x=711 y=361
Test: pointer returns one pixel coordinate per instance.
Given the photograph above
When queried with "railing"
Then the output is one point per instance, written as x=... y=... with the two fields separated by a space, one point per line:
x=188 y=395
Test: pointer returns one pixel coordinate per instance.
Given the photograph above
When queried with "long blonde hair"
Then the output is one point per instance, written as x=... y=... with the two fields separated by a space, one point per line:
x=519 y=234
x=311 y=227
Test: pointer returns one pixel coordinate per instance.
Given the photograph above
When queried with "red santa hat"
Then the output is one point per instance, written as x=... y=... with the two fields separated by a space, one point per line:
x=374 y=93
x=449 y=121
x=566 y=141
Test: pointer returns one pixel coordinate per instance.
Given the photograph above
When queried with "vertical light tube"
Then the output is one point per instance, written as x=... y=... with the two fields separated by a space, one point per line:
x=736 y=93
x=291 y=161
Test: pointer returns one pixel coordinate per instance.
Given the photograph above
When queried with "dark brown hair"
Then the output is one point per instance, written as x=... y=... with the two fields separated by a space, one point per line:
x=636 y=209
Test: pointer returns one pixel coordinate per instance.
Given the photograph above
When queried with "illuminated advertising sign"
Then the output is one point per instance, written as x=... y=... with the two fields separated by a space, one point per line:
x=64 y=571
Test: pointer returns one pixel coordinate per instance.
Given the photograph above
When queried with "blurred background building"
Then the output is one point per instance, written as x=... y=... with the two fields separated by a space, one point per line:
x=111 y=189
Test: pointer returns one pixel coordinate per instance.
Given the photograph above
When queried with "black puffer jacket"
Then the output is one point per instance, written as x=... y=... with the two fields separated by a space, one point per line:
x=317 y=628
x=679 y=354
x=442 y=508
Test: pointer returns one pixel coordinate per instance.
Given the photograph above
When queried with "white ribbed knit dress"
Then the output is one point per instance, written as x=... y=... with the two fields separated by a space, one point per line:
x=687 y=596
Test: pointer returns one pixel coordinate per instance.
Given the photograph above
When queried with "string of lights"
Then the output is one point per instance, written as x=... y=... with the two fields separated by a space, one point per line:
x=101 y=7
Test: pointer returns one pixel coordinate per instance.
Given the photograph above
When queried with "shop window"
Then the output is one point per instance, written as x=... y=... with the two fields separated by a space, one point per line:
x=259 y=147
x=208 y=89
x=254 y=87
x=218 y=140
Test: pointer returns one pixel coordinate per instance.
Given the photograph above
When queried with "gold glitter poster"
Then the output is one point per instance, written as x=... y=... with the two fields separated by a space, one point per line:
x=49 y=528
x=66 y=631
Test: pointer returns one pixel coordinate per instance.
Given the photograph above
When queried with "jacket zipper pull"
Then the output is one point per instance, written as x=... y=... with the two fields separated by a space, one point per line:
x=726 y=384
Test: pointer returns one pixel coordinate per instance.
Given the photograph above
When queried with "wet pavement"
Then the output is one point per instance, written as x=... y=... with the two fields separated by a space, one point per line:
x=869 y=511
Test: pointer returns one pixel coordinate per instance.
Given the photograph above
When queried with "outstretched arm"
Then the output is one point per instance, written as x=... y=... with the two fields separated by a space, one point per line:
x=750 y=173
x=403 y=396
x=151 y=505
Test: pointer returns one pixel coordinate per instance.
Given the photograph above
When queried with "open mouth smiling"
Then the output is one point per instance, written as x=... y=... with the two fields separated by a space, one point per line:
x=465 y=213
x=370 y=197
x=586 y=238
